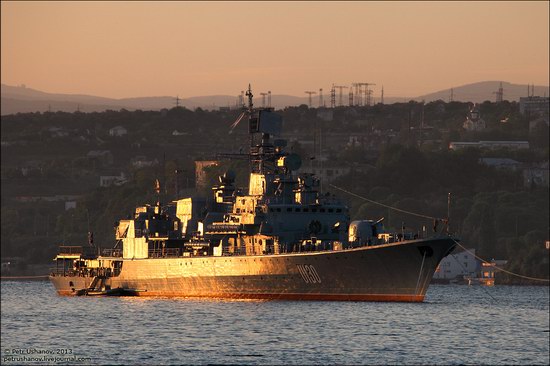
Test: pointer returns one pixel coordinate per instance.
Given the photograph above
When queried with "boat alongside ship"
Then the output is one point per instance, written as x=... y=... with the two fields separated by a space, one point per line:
x=282 y=239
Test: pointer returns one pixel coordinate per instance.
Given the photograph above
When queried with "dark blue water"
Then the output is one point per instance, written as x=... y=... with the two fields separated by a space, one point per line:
x=455 y=325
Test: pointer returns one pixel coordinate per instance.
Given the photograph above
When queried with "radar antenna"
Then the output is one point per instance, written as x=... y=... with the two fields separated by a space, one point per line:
x=244 y=112
x=250 y=96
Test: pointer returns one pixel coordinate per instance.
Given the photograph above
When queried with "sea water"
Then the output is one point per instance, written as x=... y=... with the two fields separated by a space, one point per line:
x=454 y=325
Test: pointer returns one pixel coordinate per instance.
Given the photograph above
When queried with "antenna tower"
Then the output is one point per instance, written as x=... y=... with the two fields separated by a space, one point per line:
x=320 y=97
x=333 y=96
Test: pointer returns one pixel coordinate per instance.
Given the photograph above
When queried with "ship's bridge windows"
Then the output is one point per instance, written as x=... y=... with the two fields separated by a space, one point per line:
x=322 y=210
x=338 y=210
x=289 y=209
x=278 y=209
x=313 y=210
x=297 y=209
x=330 y=210
x=306 y=209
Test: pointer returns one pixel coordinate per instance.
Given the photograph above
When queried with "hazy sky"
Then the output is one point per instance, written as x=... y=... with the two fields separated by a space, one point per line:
x=125 y=49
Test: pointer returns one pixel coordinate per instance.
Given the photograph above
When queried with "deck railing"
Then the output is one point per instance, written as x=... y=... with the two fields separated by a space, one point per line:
x=70 y=250
x=166 y=252
x=113 y=252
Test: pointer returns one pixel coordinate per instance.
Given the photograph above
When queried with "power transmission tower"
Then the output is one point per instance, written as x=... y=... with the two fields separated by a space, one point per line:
x=499 y=94
x=310 y=93
x=340 y=88
x=358 y=91
x=332 y=97
x=366 y=91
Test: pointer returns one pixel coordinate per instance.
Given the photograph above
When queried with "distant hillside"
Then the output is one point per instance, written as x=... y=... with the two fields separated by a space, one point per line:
x=482 y=91
x=22 y=99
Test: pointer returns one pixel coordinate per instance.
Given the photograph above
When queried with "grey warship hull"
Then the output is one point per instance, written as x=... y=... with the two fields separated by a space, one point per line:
x=391 y=272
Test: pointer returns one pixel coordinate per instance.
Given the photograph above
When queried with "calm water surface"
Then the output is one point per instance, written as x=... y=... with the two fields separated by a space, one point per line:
x=455 y=325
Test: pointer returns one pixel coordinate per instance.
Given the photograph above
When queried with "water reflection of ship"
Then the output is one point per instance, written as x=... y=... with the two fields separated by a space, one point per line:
x=280 y=240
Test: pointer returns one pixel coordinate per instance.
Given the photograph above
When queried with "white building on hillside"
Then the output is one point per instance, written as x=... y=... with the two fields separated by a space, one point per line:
x=459 y=265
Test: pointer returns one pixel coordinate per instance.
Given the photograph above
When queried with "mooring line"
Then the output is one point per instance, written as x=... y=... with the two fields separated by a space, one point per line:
x=420 y=273
x=501 y=269
x=387 y=206
x=465 y=270
x=436 y=218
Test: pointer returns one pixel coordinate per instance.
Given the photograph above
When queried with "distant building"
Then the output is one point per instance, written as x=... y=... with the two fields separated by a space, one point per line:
x=57 y=132
x=459 y=265
x=32 y=167
x=501 y=163
x=487 y=273
x=465 y=267
x=536 y=176
x=328 y=173
x=105 y=157
x=541 y=120
x=474 y=122
x=200 y=173
x=109 y=180
x=356 y=141
x=534 y=106
x=142 y=162
x=56 y=198
x=118 y=131
x=492 y=145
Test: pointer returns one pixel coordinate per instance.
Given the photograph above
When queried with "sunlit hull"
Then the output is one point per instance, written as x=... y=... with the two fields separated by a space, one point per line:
x=391 y=272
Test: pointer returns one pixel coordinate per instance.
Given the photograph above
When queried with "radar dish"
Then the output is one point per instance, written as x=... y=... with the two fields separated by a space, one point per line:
x=293 y=162
x=229 y=176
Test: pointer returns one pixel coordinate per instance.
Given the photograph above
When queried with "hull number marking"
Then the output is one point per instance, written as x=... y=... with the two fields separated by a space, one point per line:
x=309 y=274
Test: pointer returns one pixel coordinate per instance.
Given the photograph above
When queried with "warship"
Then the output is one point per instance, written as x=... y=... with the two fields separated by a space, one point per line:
x=280 y=239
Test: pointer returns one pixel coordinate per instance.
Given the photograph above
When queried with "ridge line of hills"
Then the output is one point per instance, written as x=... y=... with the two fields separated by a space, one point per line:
x=21 y=99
